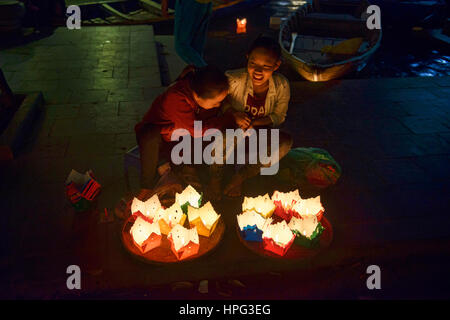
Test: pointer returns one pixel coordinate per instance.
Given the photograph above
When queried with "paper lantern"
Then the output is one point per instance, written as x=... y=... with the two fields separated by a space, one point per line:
x=151 y=209
x=183 y=242
x=251 y=225
x=278 y=238
x=146 y=236
x=189 y=196
x=205 y=219
x=311 y=206
x=261 y=204
x=171 y=217
x=307 y=230
x=284 y=202
x=241 y=25
x=81 y=189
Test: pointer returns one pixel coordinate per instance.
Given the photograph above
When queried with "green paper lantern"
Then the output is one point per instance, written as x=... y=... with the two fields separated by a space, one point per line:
x=311 y=242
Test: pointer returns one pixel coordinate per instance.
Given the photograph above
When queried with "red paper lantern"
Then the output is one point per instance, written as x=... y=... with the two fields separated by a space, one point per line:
x=241 y=25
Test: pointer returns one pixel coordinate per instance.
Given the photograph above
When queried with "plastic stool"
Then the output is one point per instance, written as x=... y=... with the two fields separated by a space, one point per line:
x=132 y=158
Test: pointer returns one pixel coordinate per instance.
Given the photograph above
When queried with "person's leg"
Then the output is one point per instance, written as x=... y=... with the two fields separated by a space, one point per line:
x=200 y=36
x=149 y=141
x=234 y=188
x=188 y=15
x=216 y=173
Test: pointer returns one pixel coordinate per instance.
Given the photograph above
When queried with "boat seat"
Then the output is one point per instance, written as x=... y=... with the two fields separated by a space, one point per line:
x=308 y=48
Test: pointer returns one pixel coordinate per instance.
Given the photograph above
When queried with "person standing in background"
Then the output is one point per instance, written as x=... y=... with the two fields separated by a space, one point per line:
x=191 y=28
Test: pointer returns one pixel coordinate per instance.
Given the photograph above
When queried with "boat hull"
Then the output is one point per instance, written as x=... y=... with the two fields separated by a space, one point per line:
x=319 y=74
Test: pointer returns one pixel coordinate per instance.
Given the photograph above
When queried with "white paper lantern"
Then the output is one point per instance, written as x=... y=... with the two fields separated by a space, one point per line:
x=189 y=195
x=287 y=199
x=311 y=206
x=173 y=214
x=141 y=230
x=150 y=208
x=305 y=225
x=182 y=236
x=279 y=232
x=250 y=218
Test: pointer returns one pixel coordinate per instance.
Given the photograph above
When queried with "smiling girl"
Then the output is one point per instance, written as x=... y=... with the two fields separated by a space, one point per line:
x=258 y=98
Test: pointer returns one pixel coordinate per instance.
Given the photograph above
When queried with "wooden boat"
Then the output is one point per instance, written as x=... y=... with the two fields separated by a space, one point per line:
x=131 y=12
x=307 y=31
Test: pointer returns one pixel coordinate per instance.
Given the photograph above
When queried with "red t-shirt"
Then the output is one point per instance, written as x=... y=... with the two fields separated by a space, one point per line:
x=176 y=109
x=255 y=107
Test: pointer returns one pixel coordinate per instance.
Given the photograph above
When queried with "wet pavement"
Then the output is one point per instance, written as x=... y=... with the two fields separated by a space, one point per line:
x=390 y=207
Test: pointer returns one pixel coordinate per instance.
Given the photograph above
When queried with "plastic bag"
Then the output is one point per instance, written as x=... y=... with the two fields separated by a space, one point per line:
x=311 y=166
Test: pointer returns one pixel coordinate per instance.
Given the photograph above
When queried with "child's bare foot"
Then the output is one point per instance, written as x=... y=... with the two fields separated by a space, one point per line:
x=213 y=191
x=234 y=187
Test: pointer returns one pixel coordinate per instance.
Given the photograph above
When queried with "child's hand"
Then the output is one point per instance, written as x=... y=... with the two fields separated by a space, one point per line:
x=242 y=120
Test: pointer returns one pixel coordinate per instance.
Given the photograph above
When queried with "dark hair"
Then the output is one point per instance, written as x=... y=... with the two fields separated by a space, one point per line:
x=267 y=43
x=207 y=82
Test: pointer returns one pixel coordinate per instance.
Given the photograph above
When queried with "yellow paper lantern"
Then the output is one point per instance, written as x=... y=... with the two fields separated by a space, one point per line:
x=261 y=204
x=204 y=218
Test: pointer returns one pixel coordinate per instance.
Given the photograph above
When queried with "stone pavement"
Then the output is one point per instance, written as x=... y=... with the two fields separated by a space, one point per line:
x=391 y=137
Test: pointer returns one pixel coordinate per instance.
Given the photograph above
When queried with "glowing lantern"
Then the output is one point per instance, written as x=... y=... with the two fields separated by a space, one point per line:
x=204 y=218
x=189 y=196
x=170 y=217
x=284 y=202
x=278 y=238
x=149 y=210
x=146 y=236
x=241 y=25
x=307 y=230
x=261 y=204
x=251 y=225
x=184 y=242
x=311 y=206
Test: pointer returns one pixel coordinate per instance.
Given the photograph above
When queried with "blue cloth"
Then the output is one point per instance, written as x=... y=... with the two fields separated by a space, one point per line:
x=190 y=31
